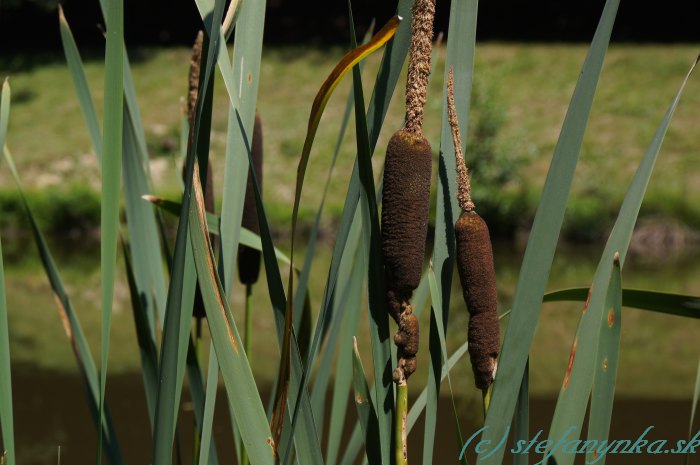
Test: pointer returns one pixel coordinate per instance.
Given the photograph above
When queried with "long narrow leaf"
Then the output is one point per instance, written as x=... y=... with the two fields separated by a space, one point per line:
x=6 y=416
x=207 y=453
x=344 y=65
x=437 y=326
x=75 y=65
x=111 y=179
x=376 y=286
x=521 y=426
x=238 y=376
x=365 y=409
x=541 y=246
x=351 y=304
x=73 y=330
x=605 y=374
x=147 y=347
x=178 y=311
x=574 y=395
x=693 y=410
x=350 y=60
x=654 y=301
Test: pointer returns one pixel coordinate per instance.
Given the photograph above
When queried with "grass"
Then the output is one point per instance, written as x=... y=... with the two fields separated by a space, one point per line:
x=522 y=79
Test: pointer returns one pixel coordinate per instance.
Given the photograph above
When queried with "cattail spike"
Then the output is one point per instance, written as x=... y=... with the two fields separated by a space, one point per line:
x=464 y=194
x=195 y=65
x=419 y=65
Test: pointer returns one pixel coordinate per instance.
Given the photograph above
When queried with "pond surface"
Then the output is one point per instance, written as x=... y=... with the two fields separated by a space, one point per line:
x=51 y=412
x=656 y=377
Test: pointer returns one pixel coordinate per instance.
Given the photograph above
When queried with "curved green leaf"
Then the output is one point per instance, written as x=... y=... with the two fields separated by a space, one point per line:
x=572 y=400
x=542 y=243
x=654 y=301
x=605 y=374
x=6 y=416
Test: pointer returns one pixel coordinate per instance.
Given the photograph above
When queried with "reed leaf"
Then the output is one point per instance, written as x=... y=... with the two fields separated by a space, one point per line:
x=111 y=180
x=438 y=328
x=521 y=424
x=238 y=376
x=73 y=330
x=605 y=374
x=365 y=408
x=350 y=301
x=302 y=285
x=207 y=451
x=541 y=245
x=348 y=61
x=655 y=301
x=6 y=415
x=461 y=45
x=181 y=291
x=82 y=90
x=147 y=346
x=355 y=442
x=573 y=397
x=376 y=287
x=693 y=410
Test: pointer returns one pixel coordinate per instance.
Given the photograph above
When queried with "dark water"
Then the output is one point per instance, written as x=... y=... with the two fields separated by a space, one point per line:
x=51 y=411
x=50 y=407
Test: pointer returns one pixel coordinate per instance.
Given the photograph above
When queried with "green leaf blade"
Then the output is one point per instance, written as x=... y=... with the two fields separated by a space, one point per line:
x=541 y=246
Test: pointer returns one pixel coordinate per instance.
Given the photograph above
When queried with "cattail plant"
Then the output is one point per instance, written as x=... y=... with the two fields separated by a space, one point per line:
x=406 y=202
x=192 y=95
x=475 y=265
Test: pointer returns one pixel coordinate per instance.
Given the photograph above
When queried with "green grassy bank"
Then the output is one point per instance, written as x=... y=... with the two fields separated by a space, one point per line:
x=520 y=96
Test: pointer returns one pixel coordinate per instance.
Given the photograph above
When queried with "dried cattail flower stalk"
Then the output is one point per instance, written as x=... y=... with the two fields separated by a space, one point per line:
x=419 y=65
x=476 y=269
x=249 y=258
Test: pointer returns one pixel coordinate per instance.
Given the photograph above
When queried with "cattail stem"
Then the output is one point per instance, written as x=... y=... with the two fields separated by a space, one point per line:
x=401 y=424
x=423 y=12
x=248 y=345
x=486 y=394
x=464 y=191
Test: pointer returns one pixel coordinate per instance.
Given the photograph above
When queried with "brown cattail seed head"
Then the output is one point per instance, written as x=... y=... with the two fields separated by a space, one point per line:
x=478 y=278
x=249 y=258
x=195 y=64
x=406 y=203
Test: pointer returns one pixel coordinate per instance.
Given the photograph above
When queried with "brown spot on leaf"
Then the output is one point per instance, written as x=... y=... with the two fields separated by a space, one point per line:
x=588 y=300
x=250 y=77
x=605 y=364
x=611 y=317
x=570 y=365
x=359 y=399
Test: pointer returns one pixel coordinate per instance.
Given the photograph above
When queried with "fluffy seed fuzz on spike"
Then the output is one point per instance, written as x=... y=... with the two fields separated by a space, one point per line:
x=249 y=258
x=477 y=273
x=478 y=278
